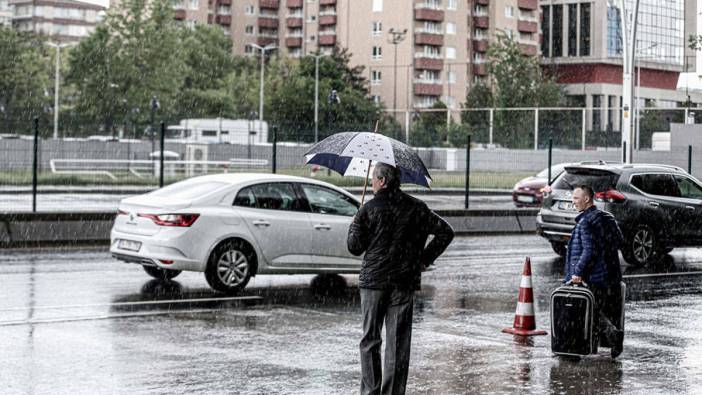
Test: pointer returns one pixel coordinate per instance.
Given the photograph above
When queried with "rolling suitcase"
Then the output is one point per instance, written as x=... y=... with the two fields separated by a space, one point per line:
x=572 y=321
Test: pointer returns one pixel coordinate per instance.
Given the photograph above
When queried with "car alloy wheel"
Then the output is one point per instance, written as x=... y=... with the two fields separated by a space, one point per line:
x=233 y=268
x=643 y=244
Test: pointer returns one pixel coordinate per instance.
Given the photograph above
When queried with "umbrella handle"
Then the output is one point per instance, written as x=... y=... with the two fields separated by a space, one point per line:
x=365 y=183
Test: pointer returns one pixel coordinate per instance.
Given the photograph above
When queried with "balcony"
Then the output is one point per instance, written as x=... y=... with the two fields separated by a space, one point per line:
x=268 y=22
x=327 y=39
x=180 y=15
x=484 y=2
x=269 y=4
x=224 y=20
x=224 y=2
x=263 y=41
x=482 y=22
x=528 y=4
x=527 y=26
x=530 y=50
x=424 y=63
x=429 y=39
x=293 y=3
x=427 y=89
x=293 y=41
x=480 y=45
x=294 y=22
x=428 y=14
x=326 y=20
x=479 y=69
x=327 y=2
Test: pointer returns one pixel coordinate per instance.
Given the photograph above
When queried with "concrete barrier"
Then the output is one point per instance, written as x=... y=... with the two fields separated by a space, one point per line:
x=67 y=229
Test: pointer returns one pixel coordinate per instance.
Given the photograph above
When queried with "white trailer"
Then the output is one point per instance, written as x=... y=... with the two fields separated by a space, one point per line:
x=218 y=130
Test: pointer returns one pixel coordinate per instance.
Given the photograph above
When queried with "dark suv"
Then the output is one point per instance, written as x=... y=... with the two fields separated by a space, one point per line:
x=658 y=207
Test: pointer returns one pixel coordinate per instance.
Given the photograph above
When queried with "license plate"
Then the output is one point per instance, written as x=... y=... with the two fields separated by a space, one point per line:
x=525 y=198
x=566 y=205
x=129 y=245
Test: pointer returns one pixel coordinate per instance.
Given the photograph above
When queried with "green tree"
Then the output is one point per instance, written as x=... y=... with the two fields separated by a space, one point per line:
x=132 y=56
x=515 y=80
x=429 y=129
x=25 y=84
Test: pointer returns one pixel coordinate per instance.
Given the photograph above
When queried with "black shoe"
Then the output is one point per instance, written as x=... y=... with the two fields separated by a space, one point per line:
x=618 y=345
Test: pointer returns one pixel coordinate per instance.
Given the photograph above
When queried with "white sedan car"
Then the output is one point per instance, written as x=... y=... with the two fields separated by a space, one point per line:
x=234 y=226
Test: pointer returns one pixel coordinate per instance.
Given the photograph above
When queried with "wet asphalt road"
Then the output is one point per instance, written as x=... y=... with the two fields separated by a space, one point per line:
x=79 y=322
x=107 y=202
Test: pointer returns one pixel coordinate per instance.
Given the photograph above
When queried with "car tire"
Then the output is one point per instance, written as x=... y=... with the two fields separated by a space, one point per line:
x=641 y=247
x=559 y=248
x=160 y=274
x=230 y=266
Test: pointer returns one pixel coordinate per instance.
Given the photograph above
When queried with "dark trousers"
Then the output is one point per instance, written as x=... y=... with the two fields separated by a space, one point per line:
x=394 y=307
x=608 y=305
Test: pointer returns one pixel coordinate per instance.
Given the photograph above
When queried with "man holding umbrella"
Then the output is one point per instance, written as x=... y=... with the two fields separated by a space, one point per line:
x=392 y=230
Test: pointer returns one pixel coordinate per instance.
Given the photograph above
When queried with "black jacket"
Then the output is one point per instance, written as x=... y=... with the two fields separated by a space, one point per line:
x=393 y=229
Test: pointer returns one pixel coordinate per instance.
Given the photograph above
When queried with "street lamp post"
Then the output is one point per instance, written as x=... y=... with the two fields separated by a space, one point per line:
x=628 y=57
x=57 y=78
x=154 y=106
x=395 y=38
x=316 y=95
x=263 y=50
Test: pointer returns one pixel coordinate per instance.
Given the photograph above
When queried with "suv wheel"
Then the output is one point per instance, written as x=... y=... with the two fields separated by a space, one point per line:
x=641 y=247
x=229 y=267
x=160 y=274
x=559 y=248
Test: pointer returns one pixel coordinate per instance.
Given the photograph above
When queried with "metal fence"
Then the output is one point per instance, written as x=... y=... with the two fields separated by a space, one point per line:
x=508 y=145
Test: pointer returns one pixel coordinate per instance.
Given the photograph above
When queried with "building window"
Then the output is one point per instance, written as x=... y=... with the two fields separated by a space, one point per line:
x=477 y=57
x=572 y=29
x=194 y=4
x=450 y=28
x=611 y=113
x=249 y=30
x=508 y=33
x=377 y=28
x=526 y=36
x=509 y=12
x=596 y=112
x=585 y=29
x=451 y=77
x=478 y=34
x=376 y=77
x=248 y=49
x=546 y=31
x=311 y=18
x=450 y=53
x=377 y=53
x=452 y=5
x=557 y=31
x=614 y=32
x=250 y=10
x=376 y=99
x=377 y=5
x=311 y=39
x=479 y=10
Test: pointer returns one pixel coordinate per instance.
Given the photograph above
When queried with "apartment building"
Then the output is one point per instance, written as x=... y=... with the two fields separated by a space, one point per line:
x=582 y=47
x=415 y=52
x=62 y=20
x=5 y=13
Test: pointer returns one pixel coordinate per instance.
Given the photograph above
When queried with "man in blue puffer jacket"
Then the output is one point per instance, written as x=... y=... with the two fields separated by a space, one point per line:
x=592 y=257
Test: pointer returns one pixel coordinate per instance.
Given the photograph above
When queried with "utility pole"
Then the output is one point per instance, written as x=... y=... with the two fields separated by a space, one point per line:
x=628 y=58
x=263 y=50
x=57 y=78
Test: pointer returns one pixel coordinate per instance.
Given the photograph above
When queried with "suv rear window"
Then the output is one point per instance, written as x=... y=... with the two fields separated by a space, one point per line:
x=598 y=180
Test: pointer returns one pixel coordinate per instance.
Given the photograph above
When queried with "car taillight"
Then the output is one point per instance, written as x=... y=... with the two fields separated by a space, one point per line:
x=610 y=196
x=182 y=220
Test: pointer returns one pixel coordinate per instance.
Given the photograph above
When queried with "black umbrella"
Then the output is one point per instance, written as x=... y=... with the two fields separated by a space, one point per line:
x=351 y=154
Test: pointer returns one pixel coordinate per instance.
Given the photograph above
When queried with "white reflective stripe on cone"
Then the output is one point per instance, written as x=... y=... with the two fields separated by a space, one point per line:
x=526 y=282
x=525 y=308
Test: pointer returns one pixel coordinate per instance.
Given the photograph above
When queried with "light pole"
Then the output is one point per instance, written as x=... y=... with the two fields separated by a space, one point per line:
x=628 y=57
x=154 y=106
x=637 y=114
x=263 y=50
x=316 y=95
x=395 y=38
x=56 y=82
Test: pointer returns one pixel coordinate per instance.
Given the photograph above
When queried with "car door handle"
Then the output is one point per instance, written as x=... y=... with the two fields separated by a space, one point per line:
x=322 y=227
x=653 y=204
x=260 y=222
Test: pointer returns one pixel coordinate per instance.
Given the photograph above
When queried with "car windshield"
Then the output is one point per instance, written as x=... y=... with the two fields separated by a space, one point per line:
x=598 y=180
x=555 y=171
x=188 y=189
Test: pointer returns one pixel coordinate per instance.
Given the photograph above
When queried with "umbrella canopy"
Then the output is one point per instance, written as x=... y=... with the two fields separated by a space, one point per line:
x=348 y=154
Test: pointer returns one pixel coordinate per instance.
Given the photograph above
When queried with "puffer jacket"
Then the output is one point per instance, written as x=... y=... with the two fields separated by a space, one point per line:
x=392 y=229
x=593 y=249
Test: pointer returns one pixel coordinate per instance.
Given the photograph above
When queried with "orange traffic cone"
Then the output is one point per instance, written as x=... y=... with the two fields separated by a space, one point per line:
x=524 y=321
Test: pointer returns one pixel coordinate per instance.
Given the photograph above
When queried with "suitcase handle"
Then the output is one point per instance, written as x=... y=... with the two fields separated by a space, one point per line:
x=582 y=283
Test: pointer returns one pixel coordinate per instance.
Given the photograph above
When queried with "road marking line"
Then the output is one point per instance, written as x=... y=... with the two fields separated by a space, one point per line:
x=141 y=303
x=101 y=317
x=675 y=274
